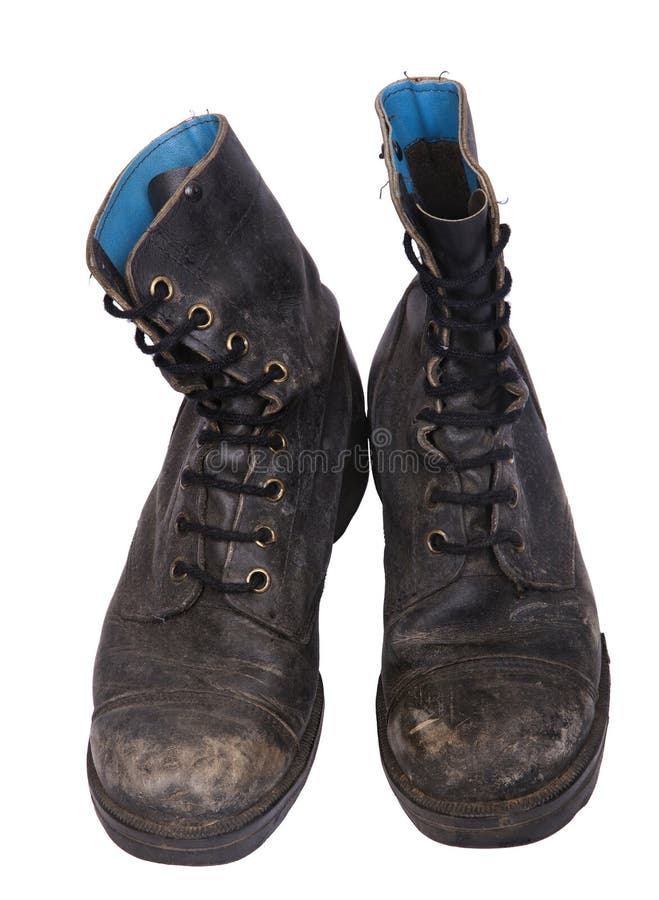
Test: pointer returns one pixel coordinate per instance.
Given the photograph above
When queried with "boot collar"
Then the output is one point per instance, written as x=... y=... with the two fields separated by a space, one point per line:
x=125 y=216
x=431 y=109
x=221 y=241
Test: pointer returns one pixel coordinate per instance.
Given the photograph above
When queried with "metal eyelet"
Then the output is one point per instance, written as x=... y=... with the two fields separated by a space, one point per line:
x=436 y=532
x=177 y=578
x=280 y=365
x=505 y=338
x=211 y=425
x=427 y=497
x=162 y=279
x=267 y=535
x=278 y=442
x=432 y=371
x=208 y=312
x=263 y=577
x=519 y=547
x=515 y=490
x=432 y=329
x=180 y=519
x=237 y=336
x=397 y=150
x=193 y=192
x=277 y=494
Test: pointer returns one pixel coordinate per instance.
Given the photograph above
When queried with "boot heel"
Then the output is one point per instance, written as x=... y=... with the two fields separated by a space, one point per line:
x=356 y=466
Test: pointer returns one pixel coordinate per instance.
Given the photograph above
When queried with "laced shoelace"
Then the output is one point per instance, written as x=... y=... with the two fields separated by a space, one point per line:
x=209 y=406
x=441 y=293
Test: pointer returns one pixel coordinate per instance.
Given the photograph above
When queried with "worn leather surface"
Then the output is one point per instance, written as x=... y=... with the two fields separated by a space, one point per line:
x=491 y=661
x=201 y=697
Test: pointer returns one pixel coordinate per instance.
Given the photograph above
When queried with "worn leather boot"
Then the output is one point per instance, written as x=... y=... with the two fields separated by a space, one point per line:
x=208 y=700
x=493 y=701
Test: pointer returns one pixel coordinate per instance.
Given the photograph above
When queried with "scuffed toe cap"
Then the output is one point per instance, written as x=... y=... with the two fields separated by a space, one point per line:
x=167 y=762
x=491 y=729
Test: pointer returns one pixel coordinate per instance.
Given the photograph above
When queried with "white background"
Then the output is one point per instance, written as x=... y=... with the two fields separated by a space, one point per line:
x=564 y=101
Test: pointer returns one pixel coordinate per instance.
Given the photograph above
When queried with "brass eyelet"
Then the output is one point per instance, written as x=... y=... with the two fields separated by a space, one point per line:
x=436 y=532
x=208 y=312
x=180 y=519
x=211 y=425
x=277 y=494
x=513 y=503
x=279 y=443
x=284 y=371
x=268 y=535
x=237 y=336
x=162 y=279
x=177 y=579
x=432 y=329
x=263 y=577
x=427 y=496
x=519 y=547
x=432 y=370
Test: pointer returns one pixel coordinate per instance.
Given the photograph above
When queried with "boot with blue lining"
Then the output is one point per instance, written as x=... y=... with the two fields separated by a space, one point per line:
x=492 y=704
x=208 y=700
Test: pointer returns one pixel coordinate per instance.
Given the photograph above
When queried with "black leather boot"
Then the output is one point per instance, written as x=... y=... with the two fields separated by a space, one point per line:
x=208 y=700
x=493 y=701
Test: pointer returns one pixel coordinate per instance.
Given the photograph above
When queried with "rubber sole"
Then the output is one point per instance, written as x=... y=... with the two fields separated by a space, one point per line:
x=156 y=842
x=510 y=823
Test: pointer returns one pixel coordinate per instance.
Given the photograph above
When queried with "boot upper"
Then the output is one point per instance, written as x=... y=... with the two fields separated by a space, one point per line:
x=491 y=656
x=207 y=669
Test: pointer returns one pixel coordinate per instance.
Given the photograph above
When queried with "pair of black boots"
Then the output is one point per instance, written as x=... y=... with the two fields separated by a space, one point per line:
x=493 y=699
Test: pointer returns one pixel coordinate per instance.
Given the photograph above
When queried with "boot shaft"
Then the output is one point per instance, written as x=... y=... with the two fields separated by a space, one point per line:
x=221 y=244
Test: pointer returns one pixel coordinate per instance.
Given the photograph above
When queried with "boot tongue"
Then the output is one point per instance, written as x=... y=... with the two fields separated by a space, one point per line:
x=164 y=185
x=459 y=245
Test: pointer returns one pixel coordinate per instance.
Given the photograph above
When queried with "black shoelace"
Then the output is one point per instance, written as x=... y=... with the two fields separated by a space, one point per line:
x=496 y=378
x=209 y=406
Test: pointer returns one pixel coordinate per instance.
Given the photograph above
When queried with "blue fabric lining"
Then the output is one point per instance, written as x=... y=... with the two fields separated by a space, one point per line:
x=128 y=212
x=428 y=111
